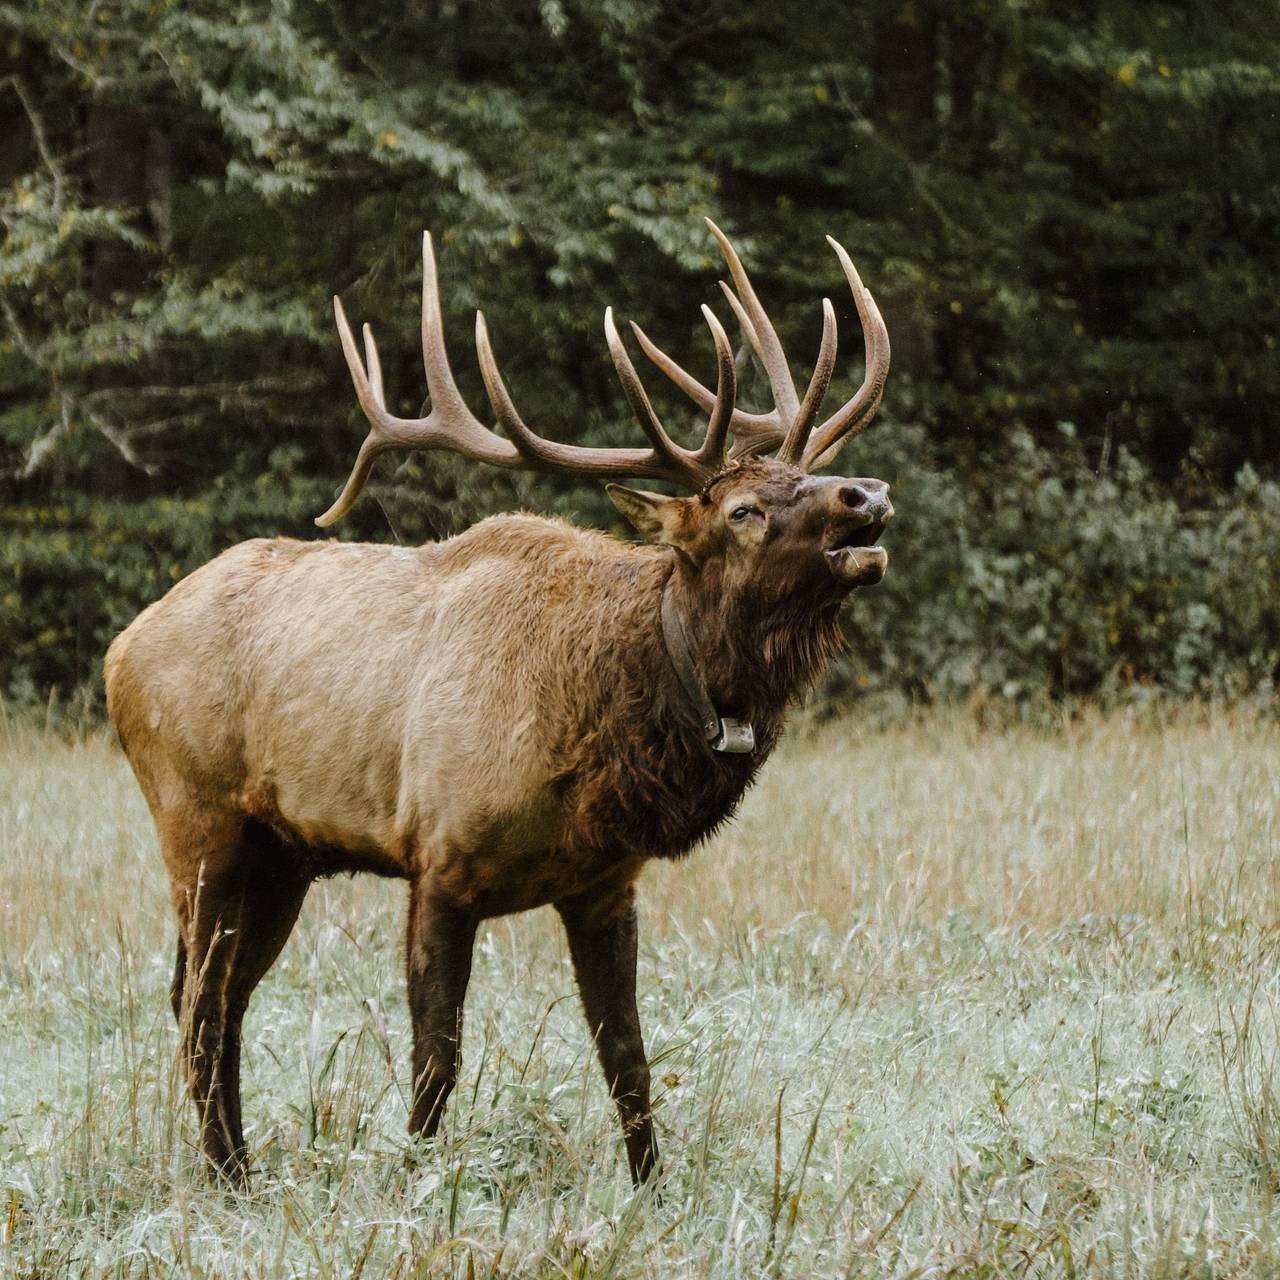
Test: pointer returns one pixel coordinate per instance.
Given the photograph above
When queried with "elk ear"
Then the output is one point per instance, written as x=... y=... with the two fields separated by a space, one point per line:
x=655 y=516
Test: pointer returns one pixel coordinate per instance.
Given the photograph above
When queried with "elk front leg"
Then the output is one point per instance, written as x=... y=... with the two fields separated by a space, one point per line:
x=602 y=942
x=441 y=935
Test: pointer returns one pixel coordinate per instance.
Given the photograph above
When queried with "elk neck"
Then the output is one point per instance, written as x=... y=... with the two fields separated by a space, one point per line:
x=637 y=774
x=752 y=656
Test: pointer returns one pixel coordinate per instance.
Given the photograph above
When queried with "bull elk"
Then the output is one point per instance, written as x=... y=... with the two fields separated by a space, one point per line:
x=520 y=715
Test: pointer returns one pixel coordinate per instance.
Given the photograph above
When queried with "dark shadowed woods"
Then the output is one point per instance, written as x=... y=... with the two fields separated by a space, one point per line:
x=1070 y=214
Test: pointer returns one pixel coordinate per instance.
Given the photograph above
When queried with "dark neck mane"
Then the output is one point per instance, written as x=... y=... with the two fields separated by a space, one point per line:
x=639 y=775
x=755 y=659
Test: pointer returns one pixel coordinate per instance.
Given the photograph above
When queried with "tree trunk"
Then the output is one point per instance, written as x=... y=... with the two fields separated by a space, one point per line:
x=906 y=48
x=116 y=136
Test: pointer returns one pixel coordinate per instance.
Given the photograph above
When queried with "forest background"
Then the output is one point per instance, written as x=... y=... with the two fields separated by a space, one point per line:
x=1069 y=212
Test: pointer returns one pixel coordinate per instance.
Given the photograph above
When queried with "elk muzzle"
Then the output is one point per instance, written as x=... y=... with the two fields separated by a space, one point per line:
x=862 y=511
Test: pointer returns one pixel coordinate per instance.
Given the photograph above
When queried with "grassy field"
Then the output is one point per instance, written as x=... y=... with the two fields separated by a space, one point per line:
x=945 y=1000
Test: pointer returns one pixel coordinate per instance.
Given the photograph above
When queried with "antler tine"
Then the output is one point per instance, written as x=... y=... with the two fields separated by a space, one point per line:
x=793 y=447
x=760 y=332
x=720 y=405
x=435 y=359
x=712 y=451
x=452 y=424
x=741 y=423
x=744 y=321
x=369 y=391
x=449 y=425
x=374 y=367
x=677 y=466
x=529 y=443
x=371 y=398
x=855 y=415
x=765 y=431
x=634 y=390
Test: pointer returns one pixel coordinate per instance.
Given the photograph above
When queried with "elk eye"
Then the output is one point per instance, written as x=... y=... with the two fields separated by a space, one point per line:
x=741 y=513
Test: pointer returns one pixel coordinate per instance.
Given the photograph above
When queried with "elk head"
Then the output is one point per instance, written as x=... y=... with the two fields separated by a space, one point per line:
x=763 y=526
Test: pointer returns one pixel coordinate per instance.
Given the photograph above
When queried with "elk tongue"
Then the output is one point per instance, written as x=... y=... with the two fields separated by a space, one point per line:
x=858 y=566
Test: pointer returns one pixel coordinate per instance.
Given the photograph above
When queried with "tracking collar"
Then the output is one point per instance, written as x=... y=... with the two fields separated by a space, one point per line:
x=733 y=737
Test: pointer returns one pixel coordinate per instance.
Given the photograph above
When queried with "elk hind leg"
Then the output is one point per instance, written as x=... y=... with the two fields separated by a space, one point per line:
x=274 y=889
x=179 y=979
x=237 y=916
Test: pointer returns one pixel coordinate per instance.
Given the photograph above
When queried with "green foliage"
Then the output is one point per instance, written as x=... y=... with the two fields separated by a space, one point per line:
x=80 y=568
x=1070 y=213
x=1048 y=575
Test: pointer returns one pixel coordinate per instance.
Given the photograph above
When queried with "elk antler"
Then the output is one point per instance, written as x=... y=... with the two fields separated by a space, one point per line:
x=790 y=422
x=451 y=425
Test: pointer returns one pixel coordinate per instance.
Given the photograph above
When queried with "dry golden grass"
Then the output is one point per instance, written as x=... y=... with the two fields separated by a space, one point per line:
x=1013 y=825
x=945 y=1000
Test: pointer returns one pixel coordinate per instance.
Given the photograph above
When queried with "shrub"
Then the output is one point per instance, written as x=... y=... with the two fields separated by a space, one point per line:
x=1042 y=576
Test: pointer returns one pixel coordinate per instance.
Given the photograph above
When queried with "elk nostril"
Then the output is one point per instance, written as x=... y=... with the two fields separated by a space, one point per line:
x=855 y=496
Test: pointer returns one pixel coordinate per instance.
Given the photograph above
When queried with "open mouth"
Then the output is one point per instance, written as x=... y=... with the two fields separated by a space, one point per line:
x=854 y=558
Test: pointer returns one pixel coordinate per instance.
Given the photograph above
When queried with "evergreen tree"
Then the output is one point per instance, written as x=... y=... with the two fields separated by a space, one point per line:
x=1070 y=214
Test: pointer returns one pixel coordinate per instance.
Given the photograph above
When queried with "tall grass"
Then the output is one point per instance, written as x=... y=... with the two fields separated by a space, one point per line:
x=945 y=1000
